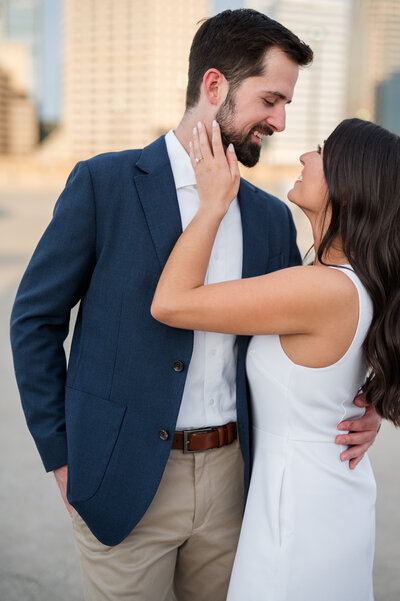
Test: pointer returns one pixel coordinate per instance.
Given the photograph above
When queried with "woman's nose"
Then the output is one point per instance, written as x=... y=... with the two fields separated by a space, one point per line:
x=306 y=156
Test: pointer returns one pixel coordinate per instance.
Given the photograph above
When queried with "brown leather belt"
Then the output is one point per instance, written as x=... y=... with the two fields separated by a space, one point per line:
x=203 y=439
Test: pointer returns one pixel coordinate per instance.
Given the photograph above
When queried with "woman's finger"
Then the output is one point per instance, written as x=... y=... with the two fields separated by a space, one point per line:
x=233 y=162
x=217 y=146
x=196 y=146
x=191 y=154
x=204 y=143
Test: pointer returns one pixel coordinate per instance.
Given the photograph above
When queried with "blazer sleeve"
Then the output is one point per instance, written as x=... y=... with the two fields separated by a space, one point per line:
x=55 y=280
x=294 y=253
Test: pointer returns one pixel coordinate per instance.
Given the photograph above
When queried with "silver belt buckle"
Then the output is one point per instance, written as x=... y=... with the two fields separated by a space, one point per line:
x=186 y=441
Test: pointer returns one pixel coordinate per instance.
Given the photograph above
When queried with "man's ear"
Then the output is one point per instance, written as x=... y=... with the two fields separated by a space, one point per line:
x=215 y=86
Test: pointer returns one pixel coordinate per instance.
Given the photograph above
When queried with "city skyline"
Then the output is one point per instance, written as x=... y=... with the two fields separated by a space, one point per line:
x=326 y=92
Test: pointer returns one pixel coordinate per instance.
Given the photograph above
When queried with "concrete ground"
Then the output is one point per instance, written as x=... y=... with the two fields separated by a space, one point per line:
x=37 y=555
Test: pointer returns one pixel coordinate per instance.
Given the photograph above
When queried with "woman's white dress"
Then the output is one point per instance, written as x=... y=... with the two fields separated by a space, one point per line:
x=309 y=524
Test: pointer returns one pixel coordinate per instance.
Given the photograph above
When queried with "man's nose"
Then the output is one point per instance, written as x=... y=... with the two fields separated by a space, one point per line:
x=277 y=120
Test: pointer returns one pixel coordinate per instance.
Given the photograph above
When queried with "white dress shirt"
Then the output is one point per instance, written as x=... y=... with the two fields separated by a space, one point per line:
x=209 y=397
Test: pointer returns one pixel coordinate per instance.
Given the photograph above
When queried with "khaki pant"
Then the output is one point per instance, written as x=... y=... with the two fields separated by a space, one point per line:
x=183 y=547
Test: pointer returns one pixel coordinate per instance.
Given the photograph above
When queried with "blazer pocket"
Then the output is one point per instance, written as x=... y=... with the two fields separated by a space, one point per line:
x=93 y=425
x=274 y=263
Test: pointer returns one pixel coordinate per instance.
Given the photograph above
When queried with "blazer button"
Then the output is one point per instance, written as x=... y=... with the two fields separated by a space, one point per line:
x=163 y=434
x=178 y=366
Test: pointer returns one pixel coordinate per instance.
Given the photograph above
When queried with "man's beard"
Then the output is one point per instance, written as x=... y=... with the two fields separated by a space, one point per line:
x=247 y=151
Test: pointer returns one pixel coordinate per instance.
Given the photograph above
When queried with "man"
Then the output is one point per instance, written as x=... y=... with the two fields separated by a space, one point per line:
x=149 y=520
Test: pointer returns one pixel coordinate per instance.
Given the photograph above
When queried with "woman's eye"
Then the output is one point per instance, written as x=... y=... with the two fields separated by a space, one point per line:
x=268 y=102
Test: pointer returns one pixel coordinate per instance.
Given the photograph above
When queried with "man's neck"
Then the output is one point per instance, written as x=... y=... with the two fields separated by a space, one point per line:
x=184 y=131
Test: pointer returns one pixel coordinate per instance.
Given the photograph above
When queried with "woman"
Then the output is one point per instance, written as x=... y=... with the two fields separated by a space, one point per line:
x=308 y=529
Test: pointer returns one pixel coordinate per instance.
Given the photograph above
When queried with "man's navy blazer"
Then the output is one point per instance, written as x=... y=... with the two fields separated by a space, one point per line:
x=113 y=228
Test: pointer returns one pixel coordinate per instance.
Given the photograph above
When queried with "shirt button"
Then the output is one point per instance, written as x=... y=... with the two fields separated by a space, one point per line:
x=211 y=401
x=178 y=366
x=163 y=434
x=214 y=352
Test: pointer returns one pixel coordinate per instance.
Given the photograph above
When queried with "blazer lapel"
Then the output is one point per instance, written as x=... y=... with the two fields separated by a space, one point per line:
x=255 y=231
x=157 y=194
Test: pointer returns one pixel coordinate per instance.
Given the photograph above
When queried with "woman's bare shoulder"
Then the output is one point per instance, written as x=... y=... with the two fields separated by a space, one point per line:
x=317 y=284
x=316 y=275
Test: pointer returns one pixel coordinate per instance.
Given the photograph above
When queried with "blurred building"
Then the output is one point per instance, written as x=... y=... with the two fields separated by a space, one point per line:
x=19 y=81
x=23 y=130
x=124 y=73
x=387 y=110
x=320 y=97
x=20 y=22
x=19 y=127
x=375 y=64
x=4 y=91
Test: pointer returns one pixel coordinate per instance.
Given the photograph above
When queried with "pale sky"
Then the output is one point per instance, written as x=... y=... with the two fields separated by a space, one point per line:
x=51 y=60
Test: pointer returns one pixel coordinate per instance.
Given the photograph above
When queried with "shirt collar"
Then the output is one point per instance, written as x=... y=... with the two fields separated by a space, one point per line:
x=180 y=162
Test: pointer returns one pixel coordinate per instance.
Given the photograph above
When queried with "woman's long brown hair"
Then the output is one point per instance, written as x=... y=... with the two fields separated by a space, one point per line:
x=362 y=169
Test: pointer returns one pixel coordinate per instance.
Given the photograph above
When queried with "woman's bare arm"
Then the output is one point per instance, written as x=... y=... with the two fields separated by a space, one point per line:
x=289 y=301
